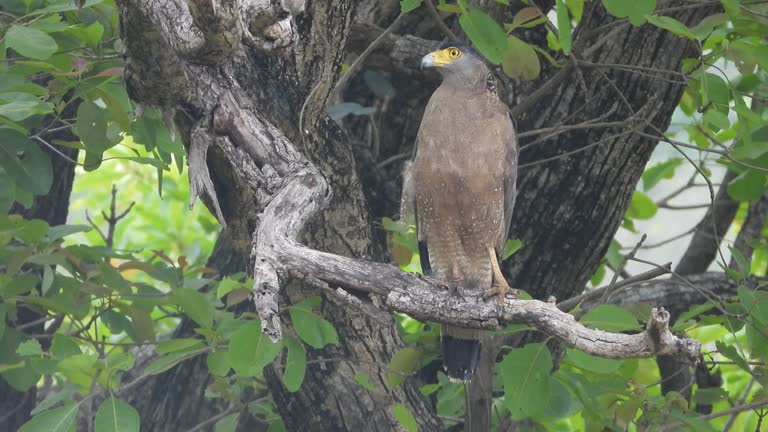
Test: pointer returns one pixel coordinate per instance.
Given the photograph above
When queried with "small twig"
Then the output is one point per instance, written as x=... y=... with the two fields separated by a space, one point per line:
x=439 y=21
x=742 y=399
x=607 y=293
x=556 y=130
x=94 y=226
x=734 y=410
x=572 y=302
x=55 y=150
x=669 y=240
x=231 y=410
x=709 y=186
x=704 y=293
x=357 y=63
x=578 y=150
x=393 y=159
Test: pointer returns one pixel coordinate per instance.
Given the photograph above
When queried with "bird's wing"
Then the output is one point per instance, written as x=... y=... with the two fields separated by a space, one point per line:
x=510 y=181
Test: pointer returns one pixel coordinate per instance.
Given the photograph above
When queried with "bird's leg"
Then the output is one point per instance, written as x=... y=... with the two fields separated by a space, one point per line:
x=500 y=286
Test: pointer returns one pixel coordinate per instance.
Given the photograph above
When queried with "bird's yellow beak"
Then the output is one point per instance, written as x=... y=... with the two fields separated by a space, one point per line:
x=436 y=59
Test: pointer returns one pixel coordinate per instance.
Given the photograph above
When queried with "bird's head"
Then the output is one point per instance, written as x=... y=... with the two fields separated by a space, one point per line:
x=455 y=59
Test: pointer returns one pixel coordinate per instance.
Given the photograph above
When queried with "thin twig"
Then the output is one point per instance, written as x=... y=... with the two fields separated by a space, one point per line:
x=734 y=410
x=439 y=21
x=607 y=293
x=572 y=302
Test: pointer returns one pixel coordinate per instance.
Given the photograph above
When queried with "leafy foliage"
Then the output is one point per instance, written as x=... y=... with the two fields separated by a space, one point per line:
x=100 y=295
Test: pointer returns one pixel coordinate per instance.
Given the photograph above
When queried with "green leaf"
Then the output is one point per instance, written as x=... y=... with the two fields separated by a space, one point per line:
x=715 y=90
x=485 y=33
x=174 y=345
x=710 y=395
x=610 y=318
x=29 y=166
x=741 y=262
x=227 y=424
x=403 y=363
x=17 y=106
x=576 y=7
x=56 y=420
x=704 y=27
x=598 y=276
x=365 y=382
x=523 y=16
x=54 y=398
x=7 y=191
x=754 y=147
x=520 y=60
x=166 y=362
x=748 y=186
x=295 y=365
x=564 y=26
x=29 y=347
x=92 y=127
x=636 y=10
x=755 y=303
x=90 y=34
x=525 y=374
x=691 y=313
x=730 y=352
x=661 y=171
x=226 y=286
x=641 y=206
x=409 y=5
x=218 y=362
x=195 y=306
x=30 y=42
x=591 y=363
x=757 y=340
x=60 y=231
x=561 y=403
x=614 y=256
x=115 y=415
x=250 y=350
x=312 y=329
x=405 y=418
x=716 y=120
x=671 y=25
x=510 y=248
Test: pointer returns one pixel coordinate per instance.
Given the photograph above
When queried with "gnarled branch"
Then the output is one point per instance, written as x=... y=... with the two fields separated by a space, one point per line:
x=279 y=253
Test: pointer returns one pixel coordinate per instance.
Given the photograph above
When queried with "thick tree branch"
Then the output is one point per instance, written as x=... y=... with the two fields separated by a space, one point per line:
x=280 y=253
x=704 y=246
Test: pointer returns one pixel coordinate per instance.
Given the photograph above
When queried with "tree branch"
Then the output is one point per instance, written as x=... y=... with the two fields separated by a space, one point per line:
x=279 y=253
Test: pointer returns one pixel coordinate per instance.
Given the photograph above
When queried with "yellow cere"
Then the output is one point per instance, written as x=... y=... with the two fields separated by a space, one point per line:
x=446 y=56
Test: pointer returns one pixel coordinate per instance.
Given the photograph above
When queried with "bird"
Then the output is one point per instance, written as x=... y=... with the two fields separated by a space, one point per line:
x=459 y=190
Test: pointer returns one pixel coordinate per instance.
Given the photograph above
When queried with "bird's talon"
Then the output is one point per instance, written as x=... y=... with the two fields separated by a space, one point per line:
x=502 y=292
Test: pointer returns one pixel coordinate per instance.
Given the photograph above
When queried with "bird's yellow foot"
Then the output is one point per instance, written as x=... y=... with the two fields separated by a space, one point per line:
x=502 y=290
x=500 y=286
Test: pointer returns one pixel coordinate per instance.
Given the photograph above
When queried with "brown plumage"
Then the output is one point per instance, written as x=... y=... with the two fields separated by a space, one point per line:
x=461 y=185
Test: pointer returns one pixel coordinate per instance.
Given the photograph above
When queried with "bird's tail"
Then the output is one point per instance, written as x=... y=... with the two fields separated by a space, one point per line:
x=461 y=352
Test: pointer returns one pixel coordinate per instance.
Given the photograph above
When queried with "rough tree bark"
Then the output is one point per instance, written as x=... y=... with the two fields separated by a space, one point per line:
x=250 y=85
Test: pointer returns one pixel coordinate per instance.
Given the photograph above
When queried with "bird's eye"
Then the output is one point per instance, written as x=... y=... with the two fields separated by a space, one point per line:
x=454 y=53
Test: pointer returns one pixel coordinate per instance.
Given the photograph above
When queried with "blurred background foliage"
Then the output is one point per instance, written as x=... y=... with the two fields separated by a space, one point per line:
x=79 y=305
